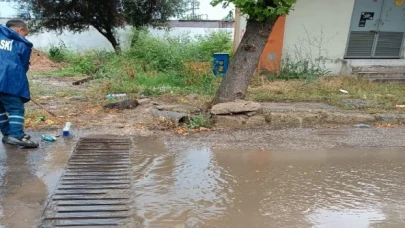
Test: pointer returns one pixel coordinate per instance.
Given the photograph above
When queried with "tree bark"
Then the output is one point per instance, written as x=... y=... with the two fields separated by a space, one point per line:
x=110 y=37
x=244 y=63
x=108 y=33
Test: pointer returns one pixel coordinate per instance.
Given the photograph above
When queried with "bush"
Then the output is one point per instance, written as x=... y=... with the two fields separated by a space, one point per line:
x=215 y=42
x=162 y=55
x=172 y=52
x=58 y=53
x=201 y=120
x=155 y=65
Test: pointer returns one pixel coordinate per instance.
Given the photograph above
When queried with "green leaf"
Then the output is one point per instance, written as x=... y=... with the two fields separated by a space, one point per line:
x=281 y=11
x=259 y=10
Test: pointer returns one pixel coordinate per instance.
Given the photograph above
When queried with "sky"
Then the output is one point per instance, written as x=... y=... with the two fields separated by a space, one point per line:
x=214 y=13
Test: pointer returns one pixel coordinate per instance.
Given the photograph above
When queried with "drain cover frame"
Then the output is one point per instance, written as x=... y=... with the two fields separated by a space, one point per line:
x=96 y=187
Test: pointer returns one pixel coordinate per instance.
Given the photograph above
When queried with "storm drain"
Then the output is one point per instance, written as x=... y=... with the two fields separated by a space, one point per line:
x=95 y=189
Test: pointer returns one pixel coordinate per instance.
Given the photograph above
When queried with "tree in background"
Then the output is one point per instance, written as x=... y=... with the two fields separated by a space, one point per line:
x=105 y=16
x=229 y=17
x=261 y=17
x=192 y=6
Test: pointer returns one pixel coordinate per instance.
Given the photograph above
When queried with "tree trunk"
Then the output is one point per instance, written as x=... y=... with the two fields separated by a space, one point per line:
x=135 y=37
x=244 y=63
x=108 y=33
x=110 y=37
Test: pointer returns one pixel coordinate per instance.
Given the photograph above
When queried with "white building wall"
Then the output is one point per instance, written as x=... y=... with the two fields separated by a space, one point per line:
x=317 y=30
x=240 y=28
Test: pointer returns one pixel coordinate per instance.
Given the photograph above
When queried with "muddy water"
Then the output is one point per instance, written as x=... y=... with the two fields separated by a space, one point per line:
x=205 y=187
x=27 y=179
x=202 y=187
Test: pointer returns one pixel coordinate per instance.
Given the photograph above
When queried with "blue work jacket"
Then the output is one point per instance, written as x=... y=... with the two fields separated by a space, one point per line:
x=15 y=53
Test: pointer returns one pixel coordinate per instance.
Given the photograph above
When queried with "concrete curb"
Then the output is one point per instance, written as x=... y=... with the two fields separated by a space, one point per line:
x=289 y=115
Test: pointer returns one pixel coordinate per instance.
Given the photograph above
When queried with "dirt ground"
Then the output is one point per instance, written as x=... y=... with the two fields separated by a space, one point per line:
x=72 y=103
x=40 y=62
x=82 y=105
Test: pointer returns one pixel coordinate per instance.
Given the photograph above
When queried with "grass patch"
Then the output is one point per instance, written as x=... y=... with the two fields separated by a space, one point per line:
x=379 y=96
x=37 y=90
x=35 y=118
x=181 y=65
x=67 y=93
x=152 y=66
x=292 y=69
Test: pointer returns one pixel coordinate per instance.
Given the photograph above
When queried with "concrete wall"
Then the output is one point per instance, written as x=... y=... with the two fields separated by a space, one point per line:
x=92 y=39
x=318 y=30
x=201 y=24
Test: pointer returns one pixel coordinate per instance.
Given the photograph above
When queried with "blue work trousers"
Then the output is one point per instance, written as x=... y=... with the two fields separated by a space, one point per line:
x=11 y=116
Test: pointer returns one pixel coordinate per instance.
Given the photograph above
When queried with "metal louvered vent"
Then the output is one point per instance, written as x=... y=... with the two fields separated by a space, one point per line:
x=360 y=45
x=389 y=44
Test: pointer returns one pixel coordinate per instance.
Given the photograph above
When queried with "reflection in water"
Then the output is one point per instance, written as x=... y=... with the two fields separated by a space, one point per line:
x=346 y=218
x=171 y=187
x=53 y=164
x=209 y=188
x=22 y=193
x=30 y=177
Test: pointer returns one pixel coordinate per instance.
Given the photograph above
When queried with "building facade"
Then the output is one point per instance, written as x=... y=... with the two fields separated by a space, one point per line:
x=338 y=35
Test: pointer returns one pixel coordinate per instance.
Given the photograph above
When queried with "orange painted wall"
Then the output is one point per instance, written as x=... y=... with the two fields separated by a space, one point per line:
x=272 y=53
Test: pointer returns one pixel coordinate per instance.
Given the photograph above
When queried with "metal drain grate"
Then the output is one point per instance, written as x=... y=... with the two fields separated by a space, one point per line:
x=95 y=190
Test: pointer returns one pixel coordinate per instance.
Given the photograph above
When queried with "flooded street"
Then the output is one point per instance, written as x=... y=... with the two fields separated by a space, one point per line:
x=203 y=187
x=27 y=179
x=241 y=179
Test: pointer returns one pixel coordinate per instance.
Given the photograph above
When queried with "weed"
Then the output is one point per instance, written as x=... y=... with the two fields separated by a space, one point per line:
x=58 y=53
x=213 y=42
x=298 y=69
x=201 y=120
x=305 y=60
x=152 y=66
x=67 y=93
x=34 y=117
x=172 y=52
x=83 y=64
x=378 y=96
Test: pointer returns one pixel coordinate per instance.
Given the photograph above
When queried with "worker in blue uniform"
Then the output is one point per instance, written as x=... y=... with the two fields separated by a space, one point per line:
x=15 y=52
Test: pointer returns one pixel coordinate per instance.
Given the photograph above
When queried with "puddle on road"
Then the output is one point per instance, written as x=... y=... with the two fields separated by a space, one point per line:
x=201 y=187
x=28 y=178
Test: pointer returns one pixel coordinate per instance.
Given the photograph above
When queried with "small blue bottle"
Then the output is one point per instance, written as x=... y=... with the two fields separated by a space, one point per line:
x=48 y=138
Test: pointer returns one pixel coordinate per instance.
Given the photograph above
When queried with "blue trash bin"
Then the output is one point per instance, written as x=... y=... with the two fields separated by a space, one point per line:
x=221 y=63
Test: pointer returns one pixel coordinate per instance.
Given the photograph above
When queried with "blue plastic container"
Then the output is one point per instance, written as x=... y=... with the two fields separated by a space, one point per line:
x=66 y=129
x=221 y=63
